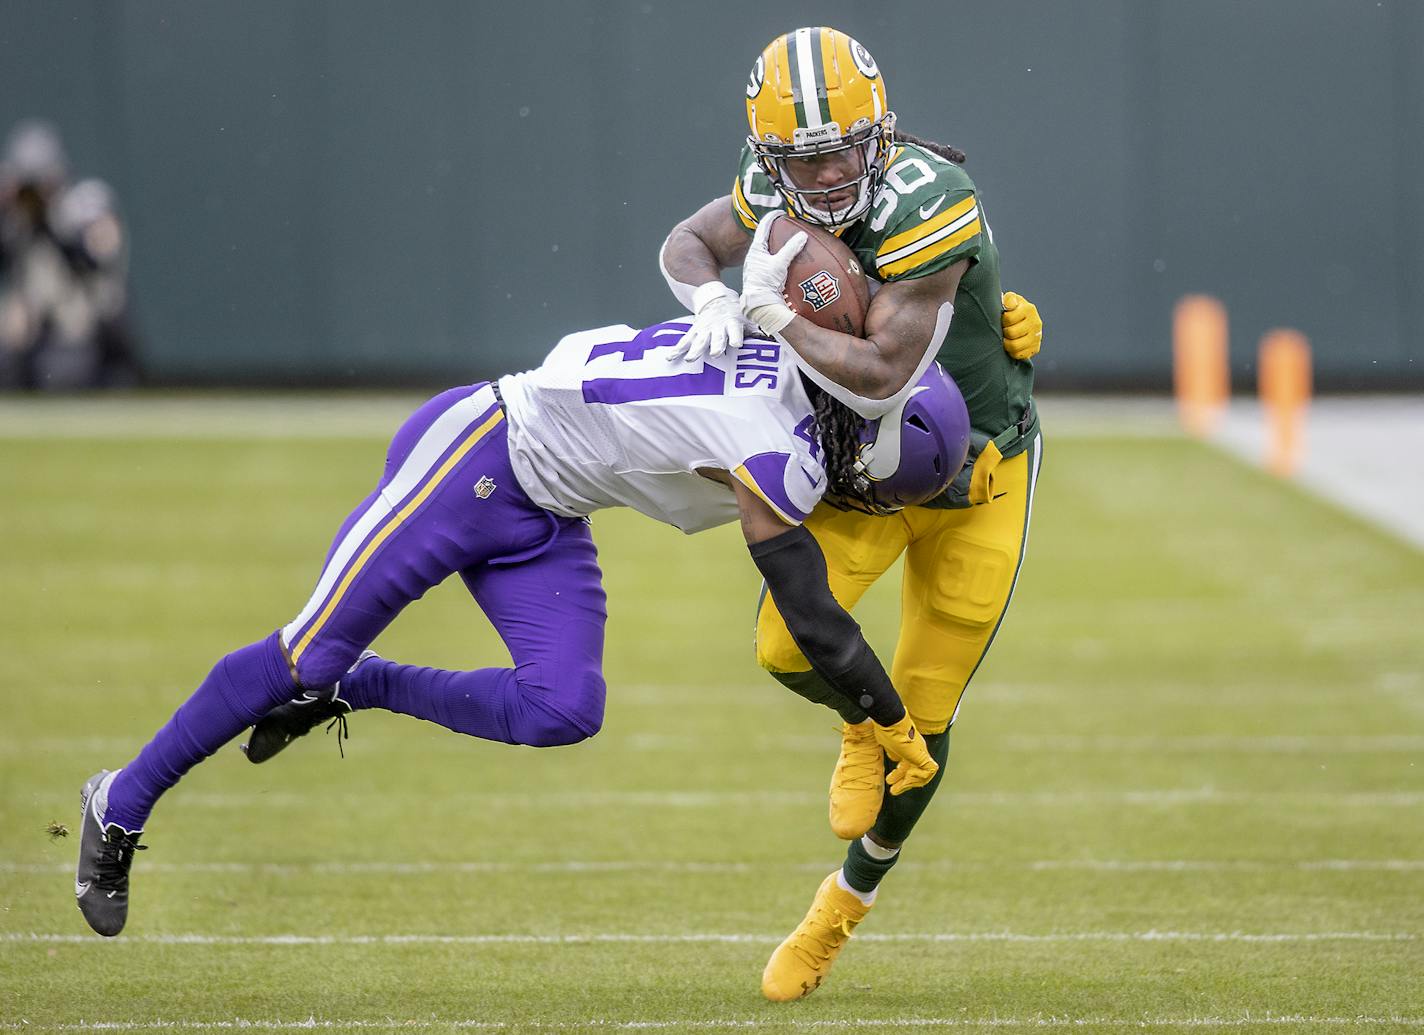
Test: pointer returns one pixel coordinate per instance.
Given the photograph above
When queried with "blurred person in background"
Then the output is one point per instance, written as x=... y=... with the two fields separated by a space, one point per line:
x=63 y=272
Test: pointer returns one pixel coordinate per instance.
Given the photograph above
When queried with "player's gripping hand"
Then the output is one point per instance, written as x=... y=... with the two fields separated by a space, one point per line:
x=1023 y=327
x=764 y=278
x=716 y=324
x=906 y=746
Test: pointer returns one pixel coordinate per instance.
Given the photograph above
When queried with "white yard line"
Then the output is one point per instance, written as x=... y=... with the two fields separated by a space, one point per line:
x=571 y=867
x=769 y=799
x=1266 y=1018
x=1273 y=744
x=1033 y=743
x=699 y=938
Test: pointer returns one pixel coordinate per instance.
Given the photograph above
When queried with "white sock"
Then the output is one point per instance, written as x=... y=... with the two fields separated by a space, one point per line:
x=877 y=852
x=867 y=898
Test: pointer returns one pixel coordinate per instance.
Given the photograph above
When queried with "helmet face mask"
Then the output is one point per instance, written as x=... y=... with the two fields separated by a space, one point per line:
x=816 y=99
x=866 y=146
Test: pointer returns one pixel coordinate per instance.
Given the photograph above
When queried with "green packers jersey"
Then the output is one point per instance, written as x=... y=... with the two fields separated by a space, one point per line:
x=926 y=217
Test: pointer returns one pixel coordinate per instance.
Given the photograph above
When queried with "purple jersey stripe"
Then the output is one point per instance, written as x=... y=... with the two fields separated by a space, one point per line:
x=613 y=390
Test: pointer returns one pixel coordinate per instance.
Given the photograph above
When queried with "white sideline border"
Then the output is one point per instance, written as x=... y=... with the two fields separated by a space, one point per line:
x=1269 y=1018
x=694 y=799
x=570 y=867
x=703 y=938
x=1029 y=743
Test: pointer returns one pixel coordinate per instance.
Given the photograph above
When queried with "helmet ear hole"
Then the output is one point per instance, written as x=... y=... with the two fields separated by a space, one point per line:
x=916 y=421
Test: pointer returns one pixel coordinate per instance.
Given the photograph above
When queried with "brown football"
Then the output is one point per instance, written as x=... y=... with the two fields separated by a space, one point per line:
x=825 y=283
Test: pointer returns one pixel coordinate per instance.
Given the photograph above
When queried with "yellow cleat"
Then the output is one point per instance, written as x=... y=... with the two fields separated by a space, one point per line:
x=858 y=783
x=802 y=961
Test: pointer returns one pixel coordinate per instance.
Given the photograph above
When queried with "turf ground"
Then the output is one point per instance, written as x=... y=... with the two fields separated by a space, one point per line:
x=1186 y=791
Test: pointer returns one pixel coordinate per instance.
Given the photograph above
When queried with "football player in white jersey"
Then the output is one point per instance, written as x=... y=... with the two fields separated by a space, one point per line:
x=495 y=482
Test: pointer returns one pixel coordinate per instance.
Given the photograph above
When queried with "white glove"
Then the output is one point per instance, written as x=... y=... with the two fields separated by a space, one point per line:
x=764 y=278
x=717 y=323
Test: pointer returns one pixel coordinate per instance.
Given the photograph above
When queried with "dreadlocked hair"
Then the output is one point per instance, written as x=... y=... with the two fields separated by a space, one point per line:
x=838 y=431
x=952 y=154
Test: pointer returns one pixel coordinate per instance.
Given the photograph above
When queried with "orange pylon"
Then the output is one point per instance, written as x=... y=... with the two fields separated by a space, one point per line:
x=1201 y=373
x=1284 y=383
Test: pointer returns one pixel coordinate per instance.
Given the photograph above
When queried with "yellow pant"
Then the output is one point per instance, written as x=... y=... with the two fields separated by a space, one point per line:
x=960 y=569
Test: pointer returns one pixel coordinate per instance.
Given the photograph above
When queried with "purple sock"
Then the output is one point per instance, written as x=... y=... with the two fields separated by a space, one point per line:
x=491 y=703
x=242 y=687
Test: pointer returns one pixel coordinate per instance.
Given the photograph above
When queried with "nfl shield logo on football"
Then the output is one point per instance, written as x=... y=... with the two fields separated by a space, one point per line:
x=821 y=290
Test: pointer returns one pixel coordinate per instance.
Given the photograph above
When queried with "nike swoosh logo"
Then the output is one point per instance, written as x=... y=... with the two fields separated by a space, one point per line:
x=80 y=888
x=928 y=210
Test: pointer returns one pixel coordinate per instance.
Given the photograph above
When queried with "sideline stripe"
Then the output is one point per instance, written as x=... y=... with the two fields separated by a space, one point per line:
x=1031 y=743
x=602 y=866
x=1276 y=744
x=696 y=799
x=1246 y=1020
x=925 y=938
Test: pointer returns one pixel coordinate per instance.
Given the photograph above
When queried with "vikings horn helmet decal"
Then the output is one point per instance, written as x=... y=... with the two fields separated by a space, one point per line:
x=911 y=460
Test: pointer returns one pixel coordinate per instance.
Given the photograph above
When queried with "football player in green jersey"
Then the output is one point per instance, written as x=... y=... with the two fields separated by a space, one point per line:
x=824 y=148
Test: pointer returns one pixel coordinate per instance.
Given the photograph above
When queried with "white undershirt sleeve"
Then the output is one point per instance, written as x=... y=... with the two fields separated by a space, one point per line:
x=683 y=292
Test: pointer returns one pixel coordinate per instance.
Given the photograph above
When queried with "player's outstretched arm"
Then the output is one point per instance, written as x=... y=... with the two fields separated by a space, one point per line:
x=791 y=561
x=904 y=327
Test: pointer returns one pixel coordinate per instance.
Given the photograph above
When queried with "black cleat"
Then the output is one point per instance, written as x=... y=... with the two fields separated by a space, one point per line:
x=101 y=882
x=298 y=717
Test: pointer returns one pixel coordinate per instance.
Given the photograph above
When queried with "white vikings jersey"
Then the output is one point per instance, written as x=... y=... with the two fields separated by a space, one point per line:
x=609 y=420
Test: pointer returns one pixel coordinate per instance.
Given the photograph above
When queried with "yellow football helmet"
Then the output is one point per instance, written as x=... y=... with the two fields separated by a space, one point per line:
x=816 y=92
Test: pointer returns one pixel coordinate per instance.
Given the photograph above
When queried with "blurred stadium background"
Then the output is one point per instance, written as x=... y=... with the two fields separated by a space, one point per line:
x=1188 y=789
x=353 y=192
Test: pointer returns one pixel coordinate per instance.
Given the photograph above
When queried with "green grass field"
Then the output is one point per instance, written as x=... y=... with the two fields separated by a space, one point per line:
x=1186 y=790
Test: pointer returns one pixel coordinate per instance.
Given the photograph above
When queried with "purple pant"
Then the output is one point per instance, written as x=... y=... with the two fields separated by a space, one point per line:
x=448 y=503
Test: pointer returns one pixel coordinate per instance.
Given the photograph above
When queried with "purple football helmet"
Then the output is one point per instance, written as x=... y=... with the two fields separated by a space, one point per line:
x=910 y=461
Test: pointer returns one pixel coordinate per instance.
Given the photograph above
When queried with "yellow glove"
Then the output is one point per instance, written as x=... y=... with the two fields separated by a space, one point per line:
x=904 y=744
x=1023 y=327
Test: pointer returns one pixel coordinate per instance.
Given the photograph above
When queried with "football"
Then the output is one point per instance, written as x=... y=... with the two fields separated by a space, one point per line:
x=825 y=283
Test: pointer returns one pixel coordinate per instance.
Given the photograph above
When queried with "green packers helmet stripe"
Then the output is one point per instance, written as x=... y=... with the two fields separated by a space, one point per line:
x=808 y=78
x=818 y=77
x=793 y=61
